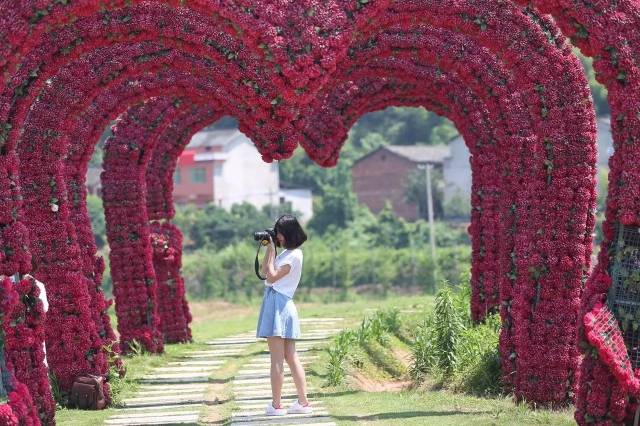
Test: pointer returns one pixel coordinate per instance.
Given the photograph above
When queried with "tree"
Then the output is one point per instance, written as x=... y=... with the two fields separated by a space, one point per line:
x=213 y=226
x=96 y=212
x=338 y=202
x=404 y=126
x=598 y=91
x=390 y=229
x=416 y=191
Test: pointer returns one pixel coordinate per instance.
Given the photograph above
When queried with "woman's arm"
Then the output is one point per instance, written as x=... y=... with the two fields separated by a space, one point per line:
x=272 y=273
x=265 y=259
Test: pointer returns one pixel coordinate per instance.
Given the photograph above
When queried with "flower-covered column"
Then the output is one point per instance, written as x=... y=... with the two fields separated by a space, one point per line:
x=16 y=404
x=607 y=32
x=24 y=343
x=173 y=306
x=124 y=188
x=164 y=158
x=173 y=309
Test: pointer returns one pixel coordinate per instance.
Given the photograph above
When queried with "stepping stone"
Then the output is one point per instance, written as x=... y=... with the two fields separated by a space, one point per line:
x=212 y=364
x=266 y=385
x=217 y=352
x=262 y=395
x=189 y=418
x=156 y=408
x=261 y=365
x=258 y=372
x=249 y=382
x=267 y=357
x=260 y=406
x=203 y=356
x=165 y=398
x=264 y=375
x=176 y=387
x=144 y=415
x=169 y=380
x=246 y=341
x=289 y=420
x=177 y=369
x=266 y=353
x=160 y=392
x=257 y=415
x=162 y=400
x=176 y=375
x=286 y=400
x=263 y=388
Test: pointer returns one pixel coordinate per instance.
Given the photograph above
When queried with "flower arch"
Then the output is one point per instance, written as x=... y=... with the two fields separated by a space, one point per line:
x=276 y=62
x=606 y=31
x=532 y=273
x=142 y=285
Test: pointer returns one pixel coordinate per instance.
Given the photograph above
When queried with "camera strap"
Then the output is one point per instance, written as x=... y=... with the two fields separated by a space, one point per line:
x=256 y=264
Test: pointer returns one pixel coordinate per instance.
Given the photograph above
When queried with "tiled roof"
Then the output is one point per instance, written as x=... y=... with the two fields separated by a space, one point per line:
x=209 y=138
x=421 y=153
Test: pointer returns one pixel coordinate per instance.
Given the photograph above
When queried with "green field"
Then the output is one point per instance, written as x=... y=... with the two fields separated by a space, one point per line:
x=347 y=403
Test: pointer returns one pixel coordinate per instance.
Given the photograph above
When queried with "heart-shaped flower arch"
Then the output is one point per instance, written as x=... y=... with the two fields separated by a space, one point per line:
x=526 y=118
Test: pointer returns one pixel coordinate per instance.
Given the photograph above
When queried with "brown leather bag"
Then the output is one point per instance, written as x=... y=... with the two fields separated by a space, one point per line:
x=87 y=394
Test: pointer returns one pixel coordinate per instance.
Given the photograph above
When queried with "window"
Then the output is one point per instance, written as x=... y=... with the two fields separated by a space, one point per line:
x=177 y=178
x=198 y=175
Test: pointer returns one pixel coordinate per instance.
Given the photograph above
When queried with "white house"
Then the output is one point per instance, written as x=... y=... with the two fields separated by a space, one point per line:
x=224 y=167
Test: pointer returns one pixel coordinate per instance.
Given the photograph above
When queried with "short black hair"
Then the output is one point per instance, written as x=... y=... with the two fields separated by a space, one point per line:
x=288 y=226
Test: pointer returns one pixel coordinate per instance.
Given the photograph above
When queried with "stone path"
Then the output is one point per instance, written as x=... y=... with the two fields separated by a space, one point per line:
x=252 y=386
x=175 y=393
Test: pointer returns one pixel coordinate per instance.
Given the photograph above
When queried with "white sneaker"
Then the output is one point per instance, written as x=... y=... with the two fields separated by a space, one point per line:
x=270 y=411
x=297 y=408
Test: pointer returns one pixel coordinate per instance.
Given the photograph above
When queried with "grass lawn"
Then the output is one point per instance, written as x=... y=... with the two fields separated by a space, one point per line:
x=347 y=404
x=350 y=406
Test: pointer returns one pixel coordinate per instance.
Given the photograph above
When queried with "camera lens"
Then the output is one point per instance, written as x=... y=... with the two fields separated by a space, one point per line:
x=261 y=236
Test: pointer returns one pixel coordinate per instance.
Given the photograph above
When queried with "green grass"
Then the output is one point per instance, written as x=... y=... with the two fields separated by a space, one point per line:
x=348 y=406
x=425 y=406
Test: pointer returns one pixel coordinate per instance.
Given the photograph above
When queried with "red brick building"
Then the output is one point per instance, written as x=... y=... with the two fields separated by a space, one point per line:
x=382 y=175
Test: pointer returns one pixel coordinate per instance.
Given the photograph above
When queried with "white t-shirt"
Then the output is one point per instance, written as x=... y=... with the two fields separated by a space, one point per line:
x=288 y=284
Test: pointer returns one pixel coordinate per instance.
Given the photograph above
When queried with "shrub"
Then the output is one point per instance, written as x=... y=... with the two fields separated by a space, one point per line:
x=477 y=369
x=448 y=326
x=453 y=350
x=337 y=354
x=424 y=350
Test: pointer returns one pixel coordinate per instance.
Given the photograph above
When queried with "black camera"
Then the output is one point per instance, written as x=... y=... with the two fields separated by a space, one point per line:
x=264 y=235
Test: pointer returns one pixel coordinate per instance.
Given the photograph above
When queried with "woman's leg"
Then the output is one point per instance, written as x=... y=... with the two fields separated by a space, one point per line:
x=276 y=349
x=297 y=371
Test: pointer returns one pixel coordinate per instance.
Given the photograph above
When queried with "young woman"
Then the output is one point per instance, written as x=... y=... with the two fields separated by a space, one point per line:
x=278 y=320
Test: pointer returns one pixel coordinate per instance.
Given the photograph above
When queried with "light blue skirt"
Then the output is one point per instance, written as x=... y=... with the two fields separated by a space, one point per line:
x=278 y=316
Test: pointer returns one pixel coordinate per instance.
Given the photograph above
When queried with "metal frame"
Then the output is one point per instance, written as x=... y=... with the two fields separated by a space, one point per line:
x=623 y=298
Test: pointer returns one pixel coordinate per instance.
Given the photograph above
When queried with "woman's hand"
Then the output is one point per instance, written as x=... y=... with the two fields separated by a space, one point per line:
x=271 y=248
x=269 y=258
